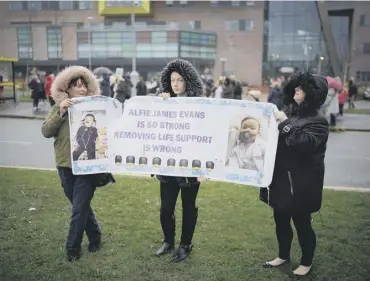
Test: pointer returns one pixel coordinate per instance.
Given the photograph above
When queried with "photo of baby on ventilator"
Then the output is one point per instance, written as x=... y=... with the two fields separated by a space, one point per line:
x=89 y=140
x=247 y=143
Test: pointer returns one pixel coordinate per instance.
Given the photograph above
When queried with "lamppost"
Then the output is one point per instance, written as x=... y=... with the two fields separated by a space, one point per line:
x=89 y=38
x=134 y=75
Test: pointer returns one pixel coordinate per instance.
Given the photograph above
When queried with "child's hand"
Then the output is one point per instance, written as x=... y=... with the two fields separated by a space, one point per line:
x=165 y=96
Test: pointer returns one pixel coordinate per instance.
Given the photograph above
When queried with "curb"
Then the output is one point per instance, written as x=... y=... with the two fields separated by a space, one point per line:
x=12 y=116
x=335 y=188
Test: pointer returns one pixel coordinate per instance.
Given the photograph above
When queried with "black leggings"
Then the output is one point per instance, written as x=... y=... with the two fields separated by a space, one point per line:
x=35 y=102
x=169 y=193
x=306 y=235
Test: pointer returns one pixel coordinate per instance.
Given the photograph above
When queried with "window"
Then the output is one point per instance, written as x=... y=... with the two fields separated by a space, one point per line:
x=235 y=3
x=169 y=3
x=16 y=6
x=85 y=5
x=24 y=37
x=54 y=41
x=159 y=37
x=34 y=5
x=363 y=76
x=232 y=25
x=183 y=2
x=366 y=48
x=66 y=5
x=365 y=20
x=250 y=3
x=214 y=3
x=238 y=25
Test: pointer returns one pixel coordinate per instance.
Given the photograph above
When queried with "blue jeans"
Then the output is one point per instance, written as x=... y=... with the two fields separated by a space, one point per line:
x=80 y=190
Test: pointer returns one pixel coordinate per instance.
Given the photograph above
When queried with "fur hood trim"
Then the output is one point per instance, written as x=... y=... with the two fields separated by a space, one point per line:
x=191 y=76
x=314 y=86
x=60 y=84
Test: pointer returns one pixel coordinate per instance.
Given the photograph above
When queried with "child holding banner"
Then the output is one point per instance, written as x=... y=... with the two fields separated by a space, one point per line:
x=179 y=79
x=296 y=188
x=72 y=82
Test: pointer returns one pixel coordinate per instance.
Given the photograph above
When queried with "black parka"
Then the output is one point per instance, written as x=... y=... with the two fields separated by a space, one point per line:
x=194 y=88
x=298 y=177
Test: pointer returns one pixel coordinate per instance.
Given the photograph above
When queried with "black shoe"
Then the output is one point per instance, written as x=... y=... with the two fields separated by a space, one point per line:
x=94 y=246
x=165 y=249
x=268 y=265
x=73 y=255
x=182 y=252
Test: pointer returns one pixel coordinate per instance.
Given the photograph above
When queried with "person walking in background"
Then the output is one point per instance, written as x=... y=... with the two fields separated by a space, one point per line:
x=2 y=100
x=331 y=105
x=298 y=179
x=228 y=89
x=238 y=90
x=217 y=90
x=153 y=86
x=275 y=95
x=105 y=85
x=352 y=92
x=141 y=87
x=35 y=86
x=48 y=82
x=342 y=98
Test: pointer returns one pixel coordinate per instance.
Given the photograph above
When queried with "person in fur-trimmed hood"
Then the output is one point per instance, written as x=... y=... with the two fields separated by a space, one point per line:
x=179 y=79
x=72 y=82
x=296 y=188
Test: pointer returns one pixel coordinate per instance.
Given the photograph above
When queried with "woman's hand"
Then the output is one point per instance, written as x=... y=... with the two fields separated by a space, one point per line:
x=64 y=105
x=201 y=179
x=165 y=96
x=280 y=115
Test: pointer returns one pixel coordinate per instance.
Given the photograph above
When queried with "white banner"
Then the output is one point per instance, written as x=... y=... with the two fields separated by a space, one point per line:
x=229 y=140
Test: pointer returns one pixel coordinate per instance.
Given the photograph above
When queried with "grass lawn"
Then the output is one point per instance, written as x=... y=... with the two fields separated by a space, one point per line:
x=23 y=98
x=357 y=111
x=235 y=234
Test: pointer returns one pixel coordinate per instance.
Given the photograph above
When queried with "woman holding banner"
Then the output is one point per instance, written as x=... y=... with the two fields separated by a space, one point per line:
x=296 y=188
x=179 y=79
x=72 y=82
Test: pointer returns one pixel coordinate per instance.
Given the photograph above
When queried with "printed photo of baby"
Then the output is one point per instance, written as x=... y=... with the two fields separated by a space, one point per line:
x=90 y=141
x=246 y=145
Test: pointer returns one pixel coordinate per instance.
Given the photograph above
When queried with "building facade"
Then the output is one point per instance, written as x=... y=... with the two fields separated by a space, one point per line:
x=330 y=38
x=253 y=40
x=225 y=36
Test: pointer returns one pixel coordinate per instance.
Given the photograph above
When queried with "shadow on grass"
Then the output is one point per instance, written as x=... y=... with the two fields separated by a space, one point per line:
x=234 y=236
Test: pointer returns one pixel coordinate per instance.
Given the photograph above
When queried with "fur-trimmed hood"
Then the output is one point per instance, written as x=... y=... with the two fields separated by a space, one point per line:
x=314 y=86
x=192 y=79
x=62 y=80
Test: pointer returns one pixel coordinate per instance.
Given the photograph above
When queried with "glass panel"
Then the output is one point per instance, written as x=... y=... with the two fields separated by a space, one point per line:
x=293 y=38
x=85 y=5
x=15 y=6
x=159 y=36
x=66 y=5
x=34 y=5
x=24 y=38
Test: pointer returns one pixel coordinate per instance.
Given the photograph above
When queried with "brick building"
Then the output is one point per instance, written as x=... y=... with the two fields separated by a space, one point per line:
x=251 y=39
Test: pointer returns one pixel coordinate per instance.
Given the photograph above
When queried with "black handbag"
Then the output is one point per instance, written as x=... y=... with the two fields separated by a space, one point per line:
x=102 y=179
x=264 y=195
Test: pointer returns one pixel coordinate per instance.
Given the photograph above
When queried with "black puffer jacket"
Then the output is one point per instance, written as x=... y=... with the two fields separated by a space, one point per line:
x=299 y=166
x=193 y=89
